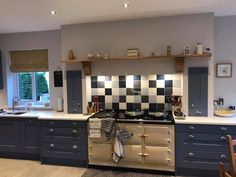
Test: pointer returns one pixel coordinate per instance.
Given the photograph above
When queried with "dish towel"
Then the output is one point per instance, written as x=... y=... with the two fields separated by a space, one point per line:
x=109 y=127
x=124 y=135
x=95 y=128
x=118 y=150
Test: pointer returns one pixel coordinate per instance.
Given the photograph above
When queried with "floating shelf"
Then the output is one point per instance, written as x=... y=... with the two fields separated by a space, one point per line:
x=179 y=61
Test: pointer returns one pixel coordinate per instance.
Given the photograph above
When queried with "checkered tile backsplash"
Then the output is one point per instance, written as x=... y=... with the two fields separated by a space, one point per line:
x=136 y=92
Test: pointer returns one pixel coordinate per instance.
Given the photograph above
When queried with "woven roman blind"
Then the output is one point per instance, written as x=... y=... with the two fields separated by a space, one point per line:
x=29 y=60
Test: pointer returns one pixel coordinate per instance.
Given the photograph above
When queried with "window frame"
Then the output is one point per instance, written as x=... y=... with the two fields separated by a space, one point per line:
x=34 y=99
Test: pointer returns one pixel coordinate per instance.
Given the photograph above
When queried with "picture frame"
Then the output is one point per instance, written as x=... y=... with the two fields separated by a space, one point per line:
x=224 y=70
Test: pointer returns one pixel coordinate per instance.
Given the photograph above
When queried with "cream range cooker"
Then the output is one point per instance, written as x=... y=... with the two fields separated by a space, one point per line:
x=151 y=146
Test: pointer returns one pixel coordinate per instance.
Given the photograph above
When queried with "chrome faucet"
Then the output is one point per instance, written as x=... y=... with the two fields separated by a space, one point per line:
x=14 y=101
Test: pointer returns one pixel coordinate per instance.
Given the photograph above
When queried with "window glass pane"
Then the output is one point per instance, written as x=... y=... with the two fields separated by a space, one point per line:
x=42 y=89
x=25 y=86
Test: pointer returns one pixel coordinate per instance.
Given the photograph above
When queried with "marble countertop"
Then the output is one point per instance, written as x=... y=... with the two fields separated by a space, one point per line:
x=212 y=120
x=48 y=115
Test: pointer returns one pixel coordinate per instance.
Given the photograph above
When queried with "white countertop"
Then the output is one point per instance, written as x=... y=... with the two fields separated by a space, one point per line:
x=49 y=115
x=214 y=120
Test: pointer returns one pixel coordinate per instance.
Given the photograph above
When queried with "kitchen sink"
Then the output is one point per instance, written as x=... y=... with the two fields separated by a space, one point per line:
x=15 y=112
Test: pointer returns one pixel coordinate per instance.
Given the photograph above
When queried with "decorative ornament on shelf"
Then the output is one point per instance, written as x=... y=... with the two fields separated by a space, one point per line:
x=133 y=52
x=199 y=48
x=207 y=51
x=70 y=55
x=187 y=50
x=168 y=50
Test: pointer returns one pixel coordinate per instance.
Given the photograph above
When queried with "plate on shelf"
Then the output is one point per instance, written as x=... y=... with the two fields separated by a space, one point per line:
x=224 y=113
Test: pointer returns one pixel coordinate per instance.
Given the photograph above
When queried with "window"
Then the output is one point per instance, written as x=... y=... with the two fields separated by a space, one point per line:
x=33 y=87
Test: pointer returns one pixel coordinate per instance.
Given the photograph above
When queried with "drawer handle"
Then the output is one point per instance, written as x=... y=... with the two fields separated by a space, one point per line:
x=75 y=147
x=223 y=156
x=74 y=131
x=140 y=154
x=51 y=145
x=51 y=130
x=74 y=123
x=223 y=138
x=191 y=128
x=190 y=154
x=223 y=128
x=51 y=123
x=190 y=136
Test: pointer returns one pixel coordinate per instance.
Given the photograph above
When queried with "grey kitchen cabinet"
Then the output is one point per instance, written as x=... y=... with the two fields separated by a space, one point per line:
x=9 y=135
x=30 y=136
x=19 y=138
x=74 y=91
x=198 y=91
x=199 y=148
x=64 y=142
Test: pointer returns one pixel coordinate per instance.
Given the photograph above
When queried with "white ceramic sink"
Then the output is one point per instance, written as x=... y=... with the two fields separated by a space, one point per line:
x=224 y=113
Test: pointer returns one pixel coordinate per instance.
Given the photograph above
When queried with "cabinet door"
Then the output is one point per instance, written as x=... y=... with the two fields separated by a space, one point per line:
x=74 y=91
x=158 y=155
x=157 y=135
x=136 y=131
x=30 y=136
x=9 y=136
x=100 y=154
x=198 y=91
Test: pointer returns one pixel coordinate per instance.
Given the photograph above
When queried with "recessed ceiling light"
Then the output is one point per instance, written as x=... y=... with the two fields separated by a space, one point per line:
x=52 y=12
x=125 y=5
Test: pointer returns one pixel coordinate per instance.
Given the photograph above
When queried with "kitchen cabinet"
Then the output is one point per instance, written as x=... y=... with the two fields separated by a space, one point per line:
x=151 y=147
x=9 y=135
x=198 y=91
x=199 y=148
x=30 y=135
x=74 y=91
x=19 y=138
x=64 y=142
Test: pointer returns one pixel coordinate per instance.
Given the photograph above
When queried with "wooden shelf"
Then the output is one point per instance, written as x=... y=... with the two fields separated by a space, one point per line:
x=179 y=60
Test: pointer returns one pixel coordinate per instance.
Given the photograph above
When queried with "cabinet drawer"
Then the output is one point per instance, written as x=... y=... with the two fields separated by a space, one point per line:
x=64 y=132
x=158 y=155
x=200 y=159
x=218 y=129
x=157 y=135
x=210 y=141
x=63 y=150
x=61 y=123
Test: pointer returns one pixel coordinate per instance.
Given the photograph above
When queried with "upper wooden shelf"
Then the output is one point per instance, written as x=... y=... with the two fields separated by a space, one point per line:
x=179 y=64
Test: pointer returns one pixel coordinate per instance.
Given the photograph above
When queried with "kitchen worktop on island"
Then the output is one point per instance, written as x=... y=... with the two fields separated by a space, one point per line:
x=211 y=120
x=48 y=115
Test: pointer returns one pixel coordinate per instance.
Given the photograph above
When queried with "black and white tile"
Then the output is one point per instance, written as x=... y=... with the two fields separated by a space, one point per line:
x=136 y=92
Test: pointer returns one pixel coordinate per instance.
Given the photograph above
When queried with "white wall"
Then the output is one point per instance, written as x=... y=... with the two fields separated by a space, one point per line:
x=225 y=52
x=50 y=40
x=146 y=34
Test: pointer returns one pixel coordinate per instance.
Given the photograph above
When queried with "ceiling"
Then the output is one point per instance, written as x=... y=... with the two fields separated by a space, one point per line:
x=33 y=15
